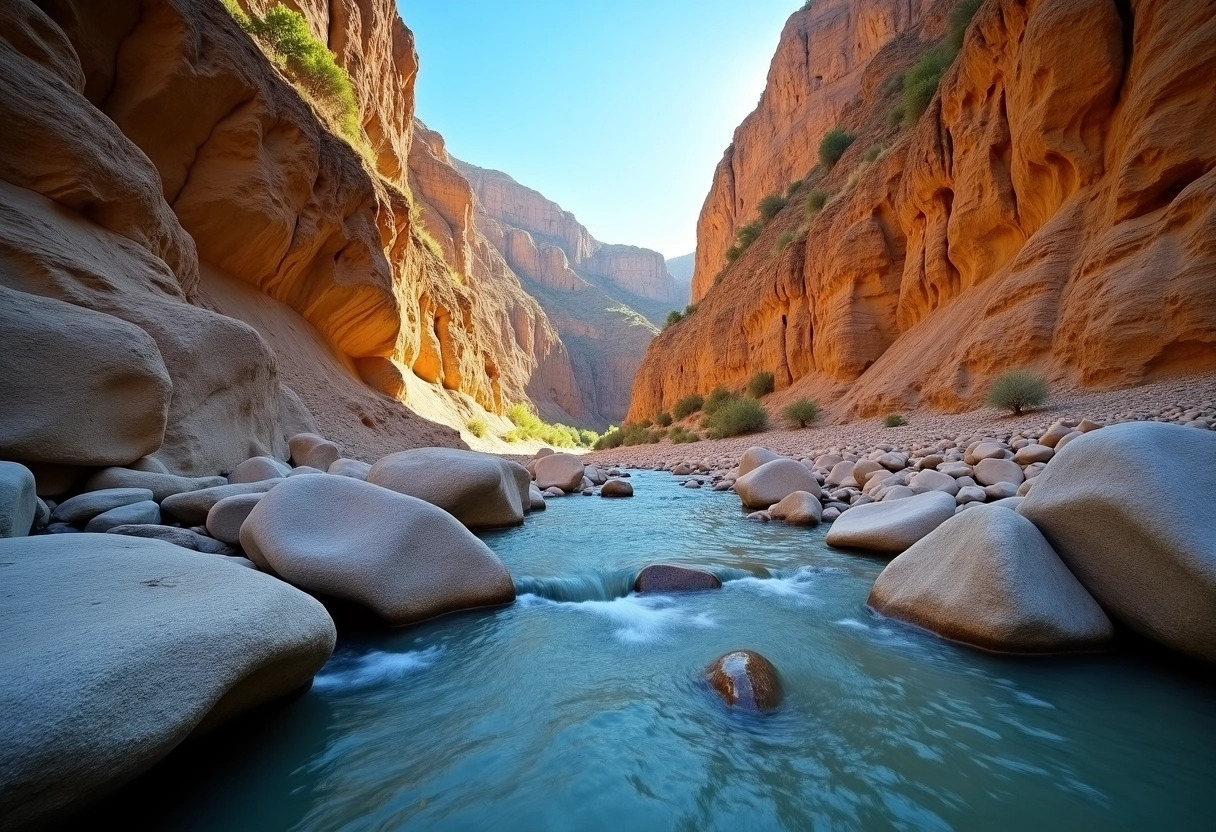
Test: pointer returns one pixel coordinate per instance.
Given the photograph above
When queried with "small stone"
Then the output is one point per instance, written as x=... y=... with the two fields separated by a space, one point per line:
x=745 y=679
x=146 y=512
x=258 y=469
x=662 y=577
x=353 y=468
x=313 y=451
x=82 y=508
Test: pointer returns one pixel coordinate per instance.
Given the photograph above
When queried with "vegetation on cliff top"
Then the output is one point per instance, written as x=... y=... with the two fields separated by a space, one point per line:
x=284 y=36
x=922 y=80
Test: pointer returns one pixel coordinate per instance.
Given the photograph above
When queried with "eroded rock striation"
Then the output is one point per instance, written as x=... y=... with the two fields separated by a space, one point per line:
x=1052 y=208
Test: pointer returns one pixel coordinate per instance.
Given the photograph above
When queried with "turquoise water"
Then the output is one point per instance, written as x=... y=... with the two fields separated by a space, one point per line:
x=580 y=707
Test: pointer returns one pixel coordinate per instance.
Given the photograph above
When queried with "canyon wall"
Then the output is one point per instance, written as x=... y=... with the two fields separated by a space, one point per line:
x=1054 y=208
x=164 y=180
x=605 y=300
x=815 y=74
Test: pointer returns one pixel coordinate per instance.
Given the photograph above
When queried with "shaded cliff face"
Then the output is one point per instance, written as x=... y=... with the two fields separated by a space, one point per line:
x=605 y=300
x=1054 y=208
x=815 y=74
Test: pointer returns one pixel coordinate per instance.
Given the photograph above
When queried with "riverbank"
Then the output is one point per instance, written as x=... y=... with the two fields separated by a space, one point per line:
x=1177 y=400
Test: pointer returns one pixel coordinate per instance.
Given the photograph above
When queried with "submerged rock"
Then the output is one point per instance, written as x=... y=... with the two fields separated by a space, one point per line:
x=1152 y=570
x=116 y=649
x=745 y=679
x=616 y=488
x=987 y=577
x=402 y=558
x=662 y=577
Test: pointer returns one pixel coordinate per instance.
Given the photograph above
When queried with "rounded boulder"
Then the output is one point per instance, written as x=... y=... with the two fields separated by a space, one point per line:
x=891 y=526
x=988 y=578
x=565 y=471
x=745 y=679
x=773 y=481
x=479 y=490
x=400 y=557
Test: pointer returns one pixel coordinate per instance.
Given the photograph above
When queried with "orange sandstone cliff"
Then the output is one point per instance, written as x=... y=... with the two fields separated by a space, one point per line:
x=1054 y=208
x=186 y=241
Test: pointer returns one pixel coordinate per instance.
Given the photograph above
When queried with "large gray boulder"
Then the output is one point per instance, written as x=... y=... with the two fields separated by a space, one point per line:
x=80 y=387
x=987 y=577
x=84 y=507
x=773 y=481
x=161 y=485
x=18 y=500
x=116 y=649
x=891 y=526
x=479 y=490
x=1154 y=570
x=145 y=513
x=399 y=557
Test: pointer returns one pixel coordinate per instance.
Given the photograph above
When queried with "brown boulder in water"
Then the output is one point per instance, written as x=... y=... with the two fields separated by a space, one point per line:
x=662 y=577
x=745 y=679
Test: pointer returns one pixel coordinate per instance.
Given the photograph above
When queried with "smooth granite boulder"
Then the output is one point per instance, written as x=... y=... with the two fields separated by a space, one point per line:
x=987 y=577
x=891 y=526
x=84 y=507
x=402 y=558
x=565 y=471
x=313 y=451
x=350 y=468
x=185 y=538
x=116 y=649
x=226 y=517
x=773 y=481
x=161 y=485
x=753 y=458
x=1151 y=567
x=536 y=499
x=259 y=469
x=146 y=512
x=18 y=500
x=80 y=387
x=745 y=679
x=192 y=507
x=801 y=508
x=663 y=577
x=479 y=490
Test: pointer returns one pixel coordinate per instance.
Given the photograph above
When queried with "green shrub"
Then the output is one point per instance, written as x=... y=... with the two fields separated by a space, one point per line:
x=806 y=5
x=760 y=384
x=717 y=397
x=530 y=426
x=872 y=153
x=477 y=426
x=894 y=420
x=588 y=438
x=737 y=416
x=794 y=187
x=802 y=411
x=833 y=145
x=783 y=240
x=1017 y=390
x=645 y=423
x=920 y=83
x=639 y=434
x=611 y=438
x=898 y=116
x=682 y=436
x=732 y=254
x=815 y=201
x=663 y=419
x=960 y=19
x=771 y=206
x=284 y=35
x=686 y=405
x=673 y=318
x=688 y=310
x=747 y=234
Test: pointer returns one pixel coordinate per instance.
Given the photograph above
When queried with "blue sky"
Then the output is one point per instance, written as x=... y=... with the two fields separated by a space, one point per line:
x=618 y=111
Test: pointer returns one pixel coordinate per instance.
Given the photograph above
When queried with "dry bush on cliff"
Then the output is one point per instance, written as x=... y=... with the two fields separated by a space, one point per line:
x=771 y=206
x=760 y=384
x=687 y=405
x=833 y=145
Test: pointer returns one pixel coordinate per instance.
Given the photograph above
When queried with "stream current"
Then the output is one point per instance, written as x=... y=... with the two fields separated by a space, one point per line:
x=582 y=707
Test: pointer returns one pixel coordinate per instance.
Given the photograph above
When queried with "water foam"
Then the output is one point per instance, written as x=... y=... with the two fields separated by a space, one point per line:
x=372 y=668
x=636 y=619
